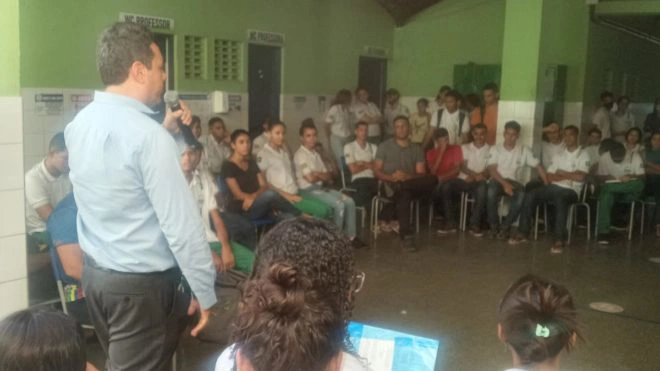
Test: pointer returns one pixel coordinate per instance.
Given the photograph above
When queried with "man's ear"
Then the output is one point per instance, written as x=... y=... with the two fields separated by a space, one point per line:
x=138 y=72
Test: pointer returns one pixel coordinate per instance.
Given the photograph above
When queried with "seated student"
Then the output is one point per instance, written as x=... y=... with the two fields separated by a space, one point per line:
x=64 y=237
x=366 y=111
x=260 y=141
x=46 y=184
x=196 y=126
x=420 y=122
x=400 y=166
x=444 y=161
x=248 y=192
x=622 y=177
x=633 y=142
x=472 y=178
x=276 y=164
x=451 y=118
x=537 y=320
x=653 y=176
x=552 y=144
x=566 y=174
x=309 y=260
x=225 y=254
x=593 y=142
x=360 y=156
x=312 y=176
x=42 y=339
x=505 y=165
x=216 y=148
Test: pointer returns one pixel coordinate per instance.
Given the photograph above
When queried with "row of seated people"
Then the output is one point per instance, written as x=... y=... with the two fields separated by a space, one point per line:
x=294 y=314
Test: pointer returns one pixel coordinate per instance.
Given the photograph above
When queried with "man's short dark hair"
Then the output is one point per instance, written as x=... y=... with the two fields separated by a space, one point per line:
x=453 y=93
x=596 y=131
x=606 y=145
x=574 y=128
x=491 y=86
x=118 y=47
x=214 y=120
x=440 y=133
x=401 y=117
x=57 y=143
x=480 y=126
x=195 y=145
x=444 y=89
x=361 y=123
x=196 y=120
x=307 y=123
x=513 y=125
x=618 y=152
x=606 y=94
x=423 y=101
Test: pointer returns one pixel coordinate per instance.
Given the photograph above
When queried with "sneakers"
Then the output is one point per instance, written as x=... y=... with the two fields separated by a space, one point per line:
x=447 y=229
x=603 y=239
x=557 y=248
x=476 y=231
x=517 y=239
x=408 y=244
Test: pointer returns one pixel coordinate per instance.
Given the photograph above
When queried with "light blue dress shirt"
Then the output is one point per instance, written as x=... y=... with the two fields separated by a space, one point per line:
x=135 y=210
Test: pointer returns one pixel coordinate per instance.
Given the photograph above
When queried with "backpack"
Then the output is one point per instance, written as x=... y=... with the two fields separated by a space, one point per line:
x=461 y=120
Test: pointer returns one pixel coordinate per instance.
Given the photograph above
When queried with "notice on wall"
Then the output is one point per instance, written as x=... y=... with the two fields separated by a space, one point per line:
x=265 y=37
x=48 y=104
x=299 y=102
x=79 y=101
x=148 y=20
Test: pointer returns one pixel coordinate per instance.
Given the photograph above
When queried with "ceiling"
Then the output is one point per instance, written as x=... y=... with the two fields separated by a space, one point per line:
x=403 y=10
x=648 y=24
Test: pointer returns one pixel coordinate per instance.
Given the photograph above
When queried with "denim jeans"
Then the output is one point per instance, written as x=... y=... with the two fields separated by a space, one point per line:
x=561 y=198
x=271 y=204
x=494 y=193
x=343 y=207
x=451 y=191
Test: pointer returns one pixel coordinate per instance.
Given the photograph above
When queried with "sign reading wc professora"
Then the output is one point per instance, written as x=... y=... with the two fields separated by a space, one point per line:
x=148 y=20
x=266 y=38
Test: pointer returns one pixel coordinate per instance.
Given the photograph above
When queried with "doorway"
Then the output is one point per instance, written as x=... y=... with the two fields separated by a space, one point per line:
x=264 y=74
x=372 y=75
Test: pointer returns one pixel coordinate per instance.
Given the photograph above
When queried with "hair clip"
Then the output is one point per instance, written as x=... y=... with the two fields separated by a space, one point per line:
x=542 y=331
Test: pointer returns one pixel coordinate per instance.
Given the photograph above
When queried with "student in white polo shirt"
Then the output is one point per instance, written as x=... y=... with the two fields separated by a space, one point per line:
x=552 y=144
x=46 y=184
x=368 y=112
x=312 y=176
x=472 y=179
x=393 y=109
x=566 y=174
x=505 y=165
x=360 y=156
x=275 y=162
x=216 y=146
x=339 y=120
x=622 y=175
x=451 y=118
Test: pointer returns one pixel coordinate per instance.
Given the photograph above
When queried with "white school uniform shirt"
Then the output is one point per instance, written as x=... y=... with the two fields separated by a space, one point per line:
x=622 y=123
x=510 y=164
x=214 y=154
x=434 y=106
x=451 y=122
x=578 y=160
x=276 y=166
x=41 y=188
x=632 y=164
x=340 y=120
x=638 y=148
x=390 y=113
x=602 y=118
x=353 y=152
x=204 y=190
x=305 y=162
x=476 y=158
x=259 y=142
x=360 y=110
x=549 y=151
x=594 y=156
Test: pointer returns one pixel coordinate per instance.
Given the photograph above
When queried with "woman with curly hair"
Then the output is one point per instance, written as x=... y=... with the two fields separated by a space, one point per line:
x=294 y=309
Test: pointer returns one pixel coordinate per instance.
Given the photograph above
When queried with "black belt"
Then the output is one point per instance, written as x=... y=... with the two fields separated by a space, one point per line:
x=90 y=262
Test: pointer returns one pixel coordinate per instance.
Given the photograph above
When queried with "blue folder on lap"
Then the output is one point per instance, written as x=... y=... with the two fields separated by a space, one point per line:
x=388 y=350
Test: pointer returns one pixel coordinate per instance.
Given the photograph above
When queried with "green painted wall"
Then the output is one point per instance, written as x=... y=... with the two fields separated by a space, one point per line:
x=623 y=56
x=449 y=33
x=10 y=55
x=564 y=40
x=323 y=38
x=521 y=50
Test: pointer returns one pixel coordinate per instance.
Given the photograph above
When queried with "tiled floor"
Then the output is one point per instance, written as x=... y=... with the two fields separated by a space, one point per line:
x=450 y=290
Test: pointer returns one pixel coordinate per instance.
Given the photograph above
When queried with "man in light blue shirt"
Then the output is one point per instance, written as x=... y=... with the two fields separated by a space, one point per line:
x=137 y=221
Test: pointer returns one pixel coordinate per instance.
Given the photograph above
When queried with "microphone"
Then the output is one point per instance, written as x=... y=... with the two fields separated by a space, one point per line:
x=171 y=99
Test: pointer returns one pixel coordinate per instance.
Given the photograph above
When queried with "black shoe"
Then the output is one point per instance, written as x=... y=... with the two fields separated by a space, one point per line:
x=408 y=244
x=358 y=243
x=603 y=239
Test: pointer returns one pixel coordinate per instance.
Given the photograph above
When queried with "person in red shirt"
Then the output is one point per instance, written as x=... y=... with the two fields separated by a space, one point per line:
x=444 y=161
